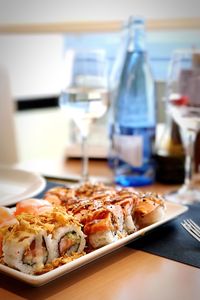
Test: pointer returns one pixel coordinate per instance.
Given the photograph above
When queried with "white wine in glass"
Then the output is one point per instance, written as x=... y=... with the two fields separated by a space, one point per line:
x=85 y=95
x=184 y=106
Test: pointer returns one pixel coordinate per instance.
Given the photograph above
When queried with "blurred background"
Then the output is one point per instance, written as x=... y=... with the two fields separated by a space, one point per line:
x=33 y=38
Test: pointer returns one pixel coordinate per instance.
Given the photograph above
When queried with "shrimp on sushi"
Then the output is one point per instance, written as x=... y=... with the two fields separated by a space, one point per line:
x=33 y=206
x=7 y=217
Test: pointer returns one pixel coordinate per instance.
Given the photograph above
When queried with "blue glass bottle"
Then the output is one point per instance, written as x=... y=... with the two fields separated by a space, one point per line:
x=134 y=114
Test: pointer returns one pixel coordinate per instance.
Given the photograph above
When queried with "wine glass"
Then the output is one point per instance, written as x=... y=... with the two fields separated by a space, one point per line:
x=85 y=94
x=183 y=103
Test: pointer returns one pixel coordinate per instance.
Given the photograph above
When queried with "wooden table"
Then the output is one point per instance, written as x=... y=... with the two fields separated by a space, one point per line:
x=123 y=274
x=71 y=168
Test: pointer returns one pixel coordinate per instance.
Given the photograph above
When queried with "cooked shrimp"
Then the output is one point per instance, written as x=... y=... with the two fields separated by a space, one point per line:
x=33 y=206
x=6 y=217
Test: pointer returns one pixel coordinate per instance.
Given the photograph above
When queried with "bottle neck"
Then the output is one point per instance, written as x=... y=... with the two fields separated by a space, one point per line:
x=137 y=37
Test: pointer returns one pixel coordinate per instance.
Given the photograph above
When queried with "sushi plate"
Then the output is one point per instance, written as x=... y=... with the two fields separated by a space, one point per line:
x=16 y=185
x=172 y=211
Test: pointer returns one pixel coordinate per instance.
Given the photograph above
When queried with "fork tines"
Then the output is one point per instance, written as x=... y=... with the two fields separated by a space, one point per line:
x=192 y=228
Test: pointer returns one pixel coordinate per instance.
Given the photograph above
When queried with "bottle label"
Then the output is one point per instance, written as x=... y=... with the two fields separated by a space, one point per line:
x=129 y=148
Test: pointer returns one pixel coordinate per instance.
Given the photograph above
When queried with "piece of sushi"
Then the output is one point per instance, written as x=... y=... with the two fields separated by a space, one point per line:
x=66 y=241
x=61 y=195
x=92 y=190
x=127 y=208
x=24 y=250
x=33 y=206
x=102 y=228
x=64 y=234
x=150 y=209
x=126 y=200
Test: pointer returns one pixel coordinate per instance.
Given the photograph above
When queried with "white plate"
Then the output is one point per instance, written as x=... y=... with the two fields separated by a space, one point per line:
x=173 y=210
x=16 y=185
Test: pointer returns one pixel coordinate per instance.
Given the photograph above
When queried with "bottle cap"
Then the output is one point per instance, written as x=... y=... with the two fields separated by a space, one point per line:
x=136 y=20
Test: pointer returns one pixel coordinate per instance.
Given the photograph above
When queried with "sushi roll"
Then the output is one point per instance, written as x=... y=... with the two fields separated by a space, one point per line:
x=127 y=208
x=65 y=241
x=92 y=190
x=126 y=200
x=60 y=196
x=103 y=227
x=24 y=249
x=150 y=209
x=64 y=234
x=39 y=239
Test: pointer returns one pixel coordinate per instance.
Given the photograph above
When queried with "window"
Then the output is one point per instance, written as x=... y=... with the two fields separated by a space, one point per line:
x=160 y=45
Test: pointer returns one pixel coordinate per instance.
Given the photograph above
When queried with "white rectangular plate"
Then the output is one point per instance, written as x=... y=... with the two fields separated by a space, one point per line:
x=172 y=211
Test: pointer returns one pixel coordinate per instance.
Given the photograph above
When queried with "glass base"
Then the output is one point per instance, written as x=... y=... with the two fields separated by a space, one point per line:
x=184 y=195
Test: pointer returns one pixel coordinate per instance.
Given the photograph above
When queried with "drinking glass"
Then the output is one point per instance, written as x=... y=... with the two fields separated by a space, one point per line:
x=84 y=97
x=183 y=103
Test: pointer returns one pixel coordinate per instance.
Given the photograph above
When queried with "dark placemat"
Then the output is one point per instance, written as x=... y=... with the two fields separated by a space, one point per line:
x=169 y=240
x=172 y=241
x=49 y=185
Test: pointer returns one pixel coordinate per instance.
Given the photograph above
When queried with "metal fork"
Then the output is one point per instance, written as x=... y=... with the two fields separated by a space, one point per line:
x=192 y=228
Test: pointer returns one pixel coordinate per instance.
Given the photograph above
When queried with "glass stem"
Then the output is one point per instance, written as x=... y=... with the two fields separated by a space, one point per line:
x=189 y=158
x=84 y=160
